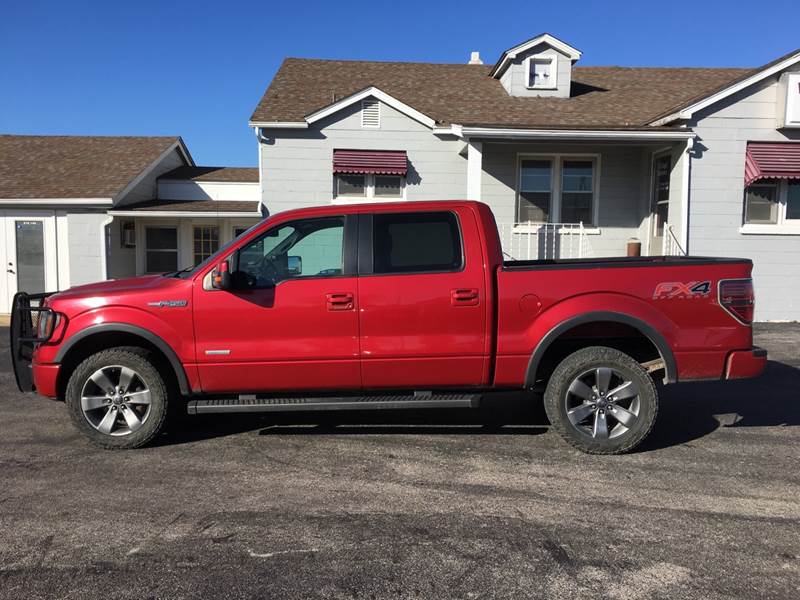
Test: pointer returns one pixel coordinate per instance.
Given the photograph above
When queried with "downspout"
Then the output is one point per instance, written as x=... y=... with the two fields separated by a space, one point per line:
x=261 y=204
x=104 y=254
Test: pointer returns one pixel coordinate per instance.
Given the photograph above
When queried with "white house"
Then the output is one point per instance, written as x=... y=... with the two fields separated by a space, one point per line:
x=573 y=160
x=77 y=209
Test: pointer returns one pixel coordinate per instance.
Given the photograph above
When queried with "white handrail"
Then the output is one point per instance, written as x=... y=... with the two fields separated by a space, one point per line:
x=670 y=244
x=535 y=241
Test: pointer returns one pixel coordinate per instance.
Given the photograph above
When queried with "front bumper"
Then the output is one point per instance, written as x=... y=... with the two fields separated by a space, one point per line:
x=743 y=364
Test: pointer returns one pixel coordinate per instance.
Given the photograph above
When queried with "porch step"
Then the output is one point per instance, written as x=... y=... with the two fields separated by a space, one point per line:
x=385 y=402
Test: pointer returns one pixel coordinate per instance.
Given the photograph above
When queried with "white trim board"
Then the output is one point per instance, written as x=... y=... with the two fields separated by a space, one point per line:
x=500 y=133
x=176 y=145
x=175 y=213
x=278 y=124
x=375 y=93
x=688 y=111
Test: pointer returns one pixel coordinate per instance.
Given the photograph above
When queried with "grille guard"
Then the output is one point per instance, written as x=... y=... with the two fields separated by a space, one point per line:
x=24 y=322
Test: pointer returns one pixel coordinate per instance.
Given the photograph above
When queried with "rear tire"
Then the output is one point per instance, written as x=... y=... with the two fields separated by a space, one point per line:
x=601 y=401
x=118 y=399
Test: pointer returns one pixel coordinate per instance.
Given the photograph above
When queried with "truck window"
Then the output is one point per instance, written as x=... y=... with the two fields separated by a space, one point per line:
x=307 y=248
x=416 y=243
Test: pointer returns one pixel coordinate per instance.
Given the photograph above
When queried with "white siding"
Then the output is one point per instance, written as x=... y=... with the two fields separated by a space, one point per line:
x=86 y=247
x=172 y=189
x=296 y=165
x=147 y=188
x=717 y=198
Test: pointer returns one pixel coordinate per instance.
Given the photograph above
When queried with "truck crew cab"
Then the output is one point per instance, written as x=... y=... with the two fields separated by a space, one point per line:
x=396 y=305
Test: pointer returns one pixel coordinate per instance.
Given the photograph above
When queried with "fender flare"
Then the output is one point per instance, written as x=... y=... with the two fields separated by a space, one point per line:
x=670 y=368
x=174 y=361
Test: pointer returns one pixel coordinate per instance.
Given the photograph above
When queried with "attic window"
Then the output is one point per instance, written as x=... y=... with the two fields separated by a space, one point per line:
x=370 y=113
x=542 y=72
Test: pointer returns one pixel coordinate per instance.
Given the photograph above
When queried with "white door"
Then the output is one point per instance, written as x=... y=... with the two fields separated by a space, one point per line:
x=28 y=252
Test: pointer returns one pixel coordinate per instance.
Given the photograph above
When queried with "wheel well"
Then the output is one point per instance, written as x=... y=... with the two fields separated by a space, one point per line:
x=621 y=336
x=113 y=339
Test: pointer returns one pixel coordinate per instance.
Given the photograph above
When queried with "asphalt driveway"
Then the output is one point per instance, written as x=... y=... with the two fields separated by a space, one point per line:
x=469 y=504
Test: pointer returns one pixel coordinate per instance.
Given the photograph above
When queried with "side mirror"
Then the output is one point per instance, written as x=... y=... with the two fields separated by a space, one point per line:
x=294 y=265
x=221 y=277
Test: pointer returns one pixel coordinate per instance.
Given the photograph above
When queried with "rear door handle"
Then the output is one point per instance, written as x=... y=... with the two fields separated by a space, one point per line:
x=464 y=297
x=340 y=301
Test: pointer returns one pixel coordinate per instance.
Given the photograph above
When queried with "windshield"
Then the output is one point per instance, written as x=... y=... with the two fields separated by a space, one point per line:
x=191 y=271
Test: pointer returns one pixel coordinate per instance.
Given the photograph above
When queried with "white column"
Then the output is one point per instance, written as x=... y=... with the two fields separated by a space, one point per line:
x=686 y=159
x=474 y=167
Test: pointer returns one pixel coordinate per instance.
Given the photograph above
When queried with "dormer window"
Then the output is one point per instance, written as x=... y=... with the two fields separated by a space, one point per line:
x=542 y=72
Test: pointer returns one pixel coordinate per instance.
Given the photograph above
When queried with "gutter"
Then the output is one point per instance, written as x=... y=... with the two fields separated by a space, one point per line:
x=572 y=134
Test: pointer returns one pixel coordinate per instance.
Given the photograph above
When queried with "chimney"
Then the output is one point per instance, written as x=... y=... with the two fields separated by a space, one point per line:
x=475 y=59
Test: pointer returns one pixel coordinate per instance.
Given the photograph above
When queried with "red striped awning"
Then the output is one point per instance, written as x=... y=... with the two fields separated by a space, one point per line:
x=381 y=162
x=771 y=160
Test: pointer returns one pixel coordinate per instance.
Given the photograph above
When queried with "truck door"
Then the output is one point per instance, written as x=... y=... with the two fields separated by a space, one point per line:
x=290 y=321
x=422 y=300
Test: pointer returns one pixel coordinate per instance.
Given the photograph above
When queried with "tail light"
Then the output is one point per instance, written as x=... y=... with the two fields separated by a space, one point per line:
x=738 y=298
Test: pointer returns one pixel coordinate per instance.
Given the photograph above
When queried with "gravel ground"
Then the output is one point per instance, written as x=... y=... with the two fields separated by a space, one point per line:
x=460 y=504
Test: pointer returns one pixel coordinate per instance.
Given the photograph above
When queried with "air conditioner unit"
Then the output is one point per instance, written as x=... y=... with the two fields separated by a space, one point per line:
x=789 y=101
x=128 y=234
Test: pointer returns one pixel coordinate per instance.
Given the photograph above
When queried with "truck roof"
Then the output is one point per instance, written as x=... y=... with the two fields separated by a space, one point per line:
x=373 y=206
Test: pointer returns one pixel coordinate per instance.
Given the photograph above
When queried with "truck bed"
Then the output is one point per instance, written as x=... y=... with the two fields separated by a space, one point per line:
x=619 y=262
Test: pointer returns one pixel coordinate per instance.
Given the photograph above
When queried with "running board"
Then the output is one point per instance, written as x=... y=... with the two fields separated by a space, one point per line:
x=245 y=404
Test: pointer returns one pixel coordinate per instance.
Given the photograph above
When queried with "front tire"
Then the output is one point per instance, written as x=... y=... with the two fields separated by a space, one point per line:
x=601 y=401
x=117 y=398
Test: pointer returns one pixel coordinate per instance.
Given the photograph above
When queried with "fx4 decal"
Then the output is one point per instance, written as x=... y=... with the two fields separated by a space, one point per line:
x=679 y=289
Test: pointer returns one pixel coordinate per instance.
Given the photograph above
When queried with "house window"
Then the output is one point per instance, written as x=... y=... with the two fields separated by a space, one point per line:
x=368 y=186
x=577 y=189
x=535 y=190
x=161 y=249
x=772 y=202
x=557 y=189
x=542 y=72
x=761 y=202
x=206 y=242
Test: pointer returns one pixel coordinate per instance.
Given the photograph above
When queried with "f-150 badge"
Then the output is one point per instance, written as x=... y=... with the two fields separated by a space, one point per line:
x=679 y=289
x=168 y=303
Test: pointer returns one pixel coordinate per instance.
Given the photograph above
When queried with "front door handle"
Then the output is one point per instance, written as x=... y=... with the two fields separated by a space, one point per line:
x=340 y=301
x=464 y=297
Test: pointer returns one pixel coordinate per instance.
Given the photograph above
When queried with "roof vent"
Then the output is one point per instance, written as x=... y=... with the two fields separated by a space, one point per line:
x=370 y=113
x=475 y=59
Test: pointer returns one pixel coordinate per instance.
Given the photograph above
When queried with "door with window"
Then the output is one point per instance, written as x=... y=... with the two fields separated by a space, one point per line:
x=290 y=322
x=28 y=252
x=662 y=168
x=422 y=298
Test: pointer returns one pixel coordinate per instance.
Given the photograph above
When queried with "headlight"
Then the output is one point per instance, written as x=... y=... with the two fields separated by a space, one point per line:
x=46 y=325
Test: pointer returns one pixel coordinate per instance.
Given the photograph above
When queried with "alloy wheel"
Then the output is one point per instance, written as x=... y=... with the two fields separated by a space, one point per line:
x=602 y=403
x=115 y=400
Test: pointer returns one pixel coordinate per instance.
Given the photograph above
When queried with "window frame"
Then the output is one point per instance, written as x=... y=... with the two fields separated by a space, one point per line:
x=146 y=249
x=541 y=58
x=782 y=225
x=349 y=249
x=369 y=190
x=558 y=160
x=366 y=260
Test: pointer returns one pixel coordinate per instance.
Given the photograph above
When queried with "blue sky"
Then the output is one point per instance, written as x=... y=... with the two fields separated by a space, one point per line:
x=197 y=69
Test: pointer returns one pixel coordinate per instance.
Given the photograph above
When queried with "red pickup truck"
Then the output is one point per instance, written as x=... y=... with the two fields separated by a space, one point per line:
x=387 y=306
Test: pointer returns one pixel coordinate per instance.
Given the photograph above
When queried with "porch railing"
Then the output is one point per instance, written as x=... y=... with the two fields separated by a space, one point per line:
x=670 y=245
x=537 y=241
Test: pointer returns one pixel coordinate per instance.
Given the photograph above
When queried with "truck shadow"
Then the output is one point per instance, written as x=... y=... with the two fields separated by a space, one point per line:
x=687 y=412
x=692 y=410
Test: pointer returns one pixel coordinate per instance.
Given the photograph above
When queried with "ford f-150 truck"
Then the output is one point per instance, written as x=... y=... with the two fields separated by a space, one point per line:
x=387 y=306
